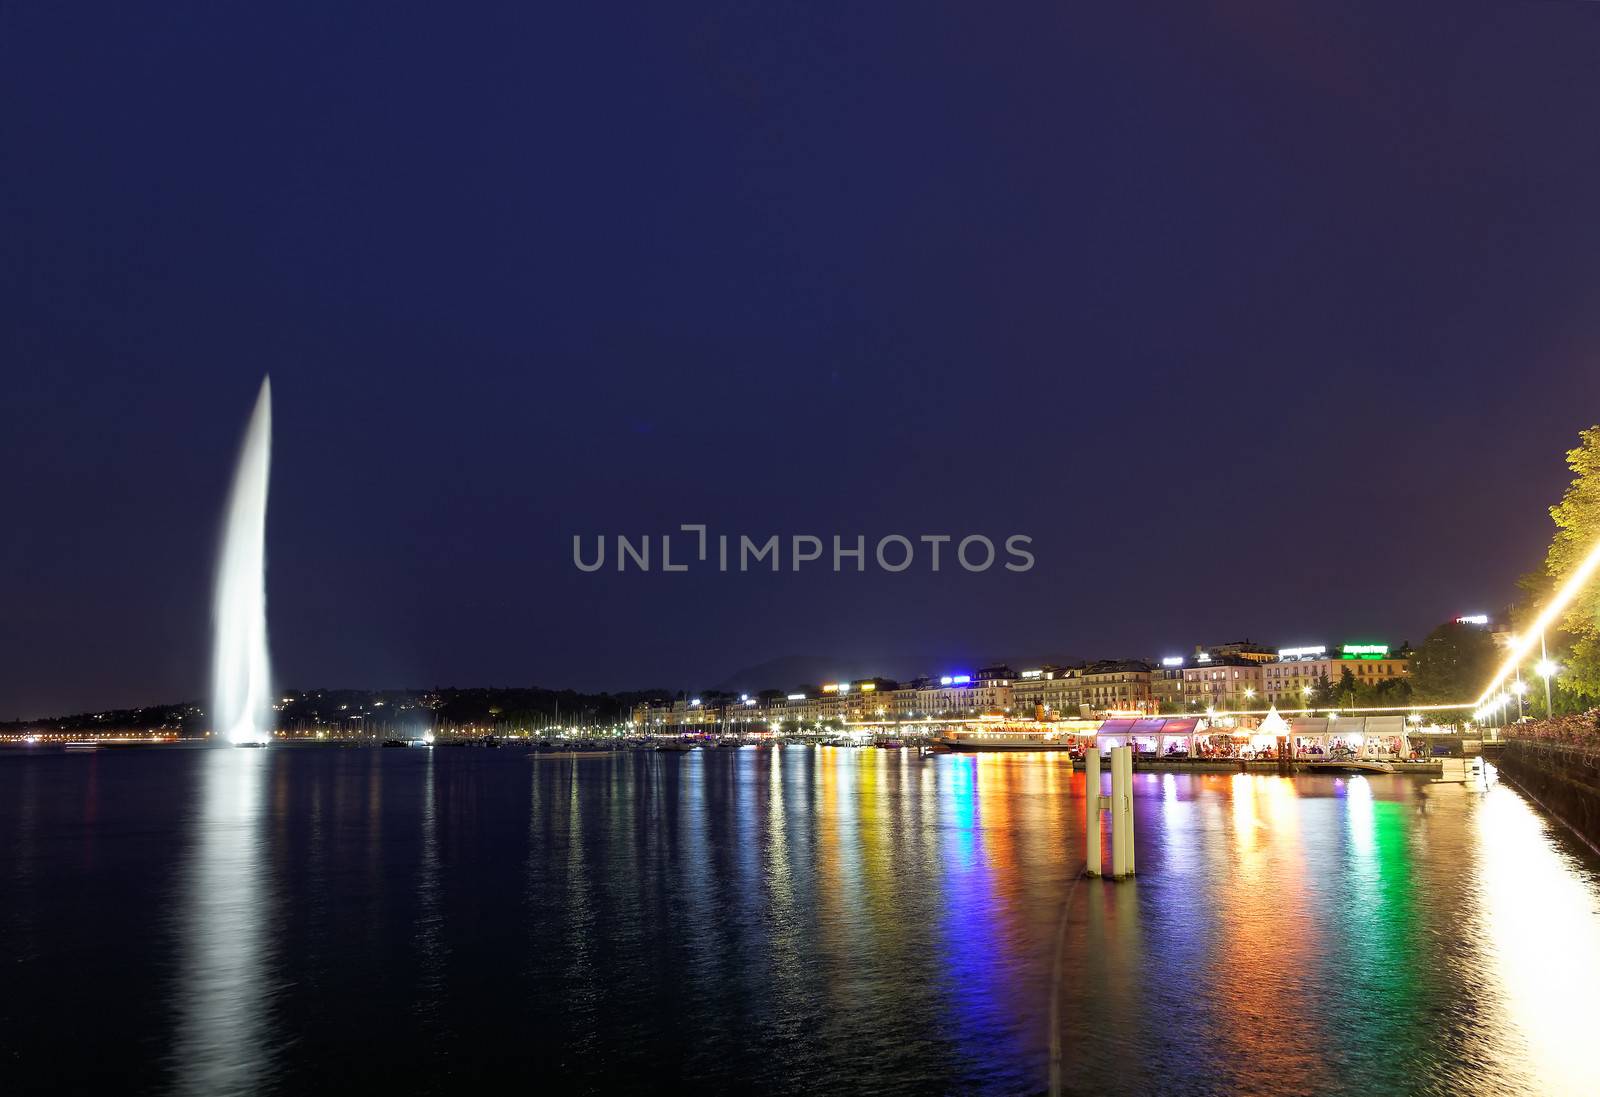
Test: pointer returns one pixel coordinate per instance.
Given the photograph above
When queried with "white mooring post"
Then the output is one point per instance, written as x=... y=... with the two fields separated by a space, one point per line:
x=1119 y=833
x=1121 y=812
x=1127 y=801
x=1091 y=809
x=1119 y=804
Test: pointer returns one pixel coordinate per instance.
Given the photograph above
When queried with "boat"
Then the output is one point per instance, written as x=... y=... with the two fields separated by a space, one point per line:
x=253 y=744
x=677 y=746
x=81 y=746
x=1000 y=737
x=1350 y=765
x=1346 y=761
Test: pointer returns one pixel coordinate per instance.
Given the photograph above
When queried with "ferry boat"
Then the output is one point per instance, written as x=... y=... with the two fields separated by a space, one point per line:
x=1001 y=737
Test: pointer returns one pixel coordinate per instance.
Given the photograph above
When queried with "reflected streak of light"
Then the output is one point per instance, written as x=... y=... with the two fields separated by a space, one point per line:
x=1244 y=812
x=579 y=920
x=1361 y=819
x=430 y=914
x=222 y=997
x=778 y=838
x=1539 y=916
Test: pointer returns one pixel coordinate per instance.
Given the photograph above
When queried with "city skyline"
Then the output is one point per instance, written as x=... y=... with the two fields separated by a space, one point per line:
x=1363 y=655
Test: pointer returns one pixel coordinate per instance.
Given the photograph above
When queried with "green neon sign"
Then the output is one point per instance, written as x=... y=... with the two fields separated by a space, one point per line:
x=1365 y=651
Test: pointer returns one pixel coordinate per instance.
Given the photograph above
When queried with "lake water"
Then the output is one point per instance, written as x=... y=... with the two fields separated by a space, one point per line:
x=798 y=920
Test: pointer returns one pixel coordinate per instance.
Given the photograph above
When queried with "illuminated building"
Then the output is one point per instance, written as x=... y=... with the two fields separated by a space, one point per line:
x=1227 y=683
x=1248 y=650
x=1116 y=686
x=962 y=695
x=1166 y=684
x=1049 y=692
x=1290 y=681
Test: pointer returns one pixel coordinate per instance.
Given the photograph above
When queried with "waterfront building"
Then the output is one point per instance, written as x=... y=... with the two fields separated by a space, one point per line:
x=903 y=701
x=963 y=696
x=1236 y=676
x=1226 y=683
x=1291 y=681
x=1116 y=685
x=1248 y=650
x=1048 y=693
x=865 y=699
x=1166 y=684
x=800 y=707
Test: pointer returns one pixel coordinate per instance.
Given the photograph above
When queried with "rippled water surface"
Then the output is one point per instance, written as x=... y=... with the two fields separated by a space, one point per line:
x=795 y=920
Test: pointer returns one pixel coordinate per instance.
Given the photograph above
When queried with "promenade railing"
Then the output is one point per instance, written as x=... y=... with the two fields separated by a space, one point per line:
x=1576 y=736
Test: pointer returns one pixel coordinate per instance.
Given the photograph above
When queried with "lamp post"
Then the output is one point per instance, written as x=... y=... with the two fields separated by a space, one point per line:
x=1546 y=670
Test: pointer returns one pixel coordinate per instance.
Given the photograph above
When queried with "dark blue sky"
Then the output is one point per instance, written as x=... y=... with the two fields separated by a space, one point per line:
x=1260 y=318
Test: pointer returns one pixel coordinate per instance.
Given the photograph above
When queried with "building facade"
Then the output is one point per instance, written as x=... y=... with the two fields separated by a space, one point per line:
x=1116 y=686
x=1229 y=683
x=1293 y=680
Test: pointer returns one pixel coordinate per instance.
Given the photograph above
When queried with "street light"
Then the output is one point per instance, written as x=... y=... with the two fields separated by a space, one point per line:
x=1546 y=670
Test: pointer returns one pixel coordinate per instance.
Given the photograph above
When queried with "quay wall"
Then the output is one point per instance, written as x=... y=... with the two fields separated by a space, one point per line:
x=1564 y=781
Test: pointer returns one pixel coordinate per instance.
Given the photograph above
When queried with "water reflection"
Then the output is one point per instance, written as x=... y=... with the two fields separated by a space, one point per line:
x=431 y=948
x=223 y=995
x=1539 y=924
x=801 y=920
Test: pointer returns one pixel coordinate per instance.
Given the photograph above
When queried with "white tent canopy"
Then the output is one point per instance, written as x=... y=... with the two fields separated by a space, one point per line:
x=1367 y=736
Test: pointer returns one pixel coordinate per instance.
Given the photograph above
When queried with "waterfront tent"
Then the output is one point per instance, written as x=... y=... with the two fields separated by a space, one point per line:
x=1384 y=737
x=1150 y=735
x=1145 y=735
x=1271 y=728
x=1308 y=735
x=1346 y=732
x=1176 y=733
x=1113 y=733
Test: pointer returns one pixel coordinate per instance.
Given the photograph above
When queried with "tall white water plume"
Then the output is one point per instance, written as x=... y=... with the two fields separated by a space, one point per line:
x=241 y=689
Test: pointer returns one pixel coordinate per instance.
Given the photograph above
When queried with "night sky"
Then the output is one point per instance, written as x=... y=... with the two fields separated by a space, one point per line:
x=1262 y=319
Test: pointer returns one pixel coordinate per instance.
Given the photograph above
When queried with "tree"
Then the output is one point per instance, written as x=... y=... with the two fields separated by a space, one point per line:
x=1344 y=692
x=1577 y=519
x=1322 y=693
x=1453 y=664
x=1393 y=692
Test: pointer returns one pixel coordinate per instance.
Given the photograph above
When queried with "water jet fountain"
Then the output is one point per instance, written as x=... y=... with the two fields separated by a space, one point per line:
x=241 y=688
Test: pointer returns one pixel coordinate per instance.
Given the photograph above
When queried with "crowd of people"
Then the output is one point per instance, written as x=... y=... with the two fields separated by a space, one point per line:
x=1579 y=730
